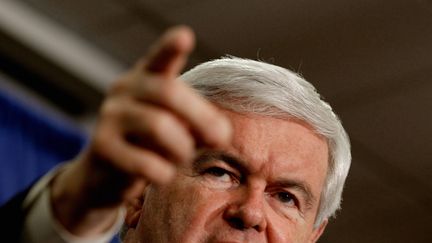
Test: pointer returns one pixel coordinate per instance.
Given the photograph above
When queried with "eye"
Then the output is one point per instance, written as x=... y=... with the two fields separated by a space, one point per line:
x=220 y=173
x=286 y=198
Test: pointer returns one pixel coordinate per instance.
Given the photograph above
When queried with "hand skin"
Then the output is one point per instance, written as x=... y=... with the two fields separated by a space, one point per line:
x=149 y=124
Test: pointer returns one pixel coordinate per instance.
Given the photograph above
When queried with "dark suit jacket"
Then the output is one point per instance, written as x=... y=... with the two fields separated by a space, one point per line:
x=12 y=216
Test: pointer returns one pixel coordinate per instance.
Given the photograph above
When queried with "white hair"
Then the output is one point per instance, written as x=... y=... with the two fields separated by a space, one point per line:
x=249 y=86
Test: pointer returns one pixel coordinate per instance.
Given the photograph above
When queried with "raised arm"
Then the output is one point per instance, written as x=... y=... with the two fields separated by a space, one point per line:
x=149 y=123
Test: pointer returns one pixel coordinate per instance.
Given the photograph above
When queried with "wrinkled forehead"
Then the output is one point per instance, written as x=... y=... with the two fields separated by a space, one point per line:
x=279 y=146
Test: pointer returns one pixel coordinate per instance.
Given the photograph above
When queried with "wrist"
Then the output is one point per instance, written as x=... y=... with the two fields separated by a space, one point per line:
x=72 y=209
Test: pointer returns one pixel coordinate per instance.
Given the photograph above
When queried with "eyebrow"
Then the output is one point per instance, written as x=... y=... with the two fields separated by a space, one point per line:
x=212 y=155
x=239 y=164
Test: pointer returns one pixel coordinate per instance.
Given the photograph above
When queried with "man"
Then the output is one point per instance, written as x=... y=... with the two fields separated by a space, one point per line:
x=260 y=159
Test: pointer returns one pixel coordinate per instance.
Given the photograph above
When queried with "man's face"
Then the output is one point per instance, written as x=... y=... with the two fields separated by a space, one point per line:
x=265 y=187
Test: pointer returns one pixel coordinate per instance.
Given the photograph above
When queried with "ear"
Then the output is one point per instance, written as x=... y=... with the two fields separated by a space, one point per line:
x=133 y=212
x=317 y=232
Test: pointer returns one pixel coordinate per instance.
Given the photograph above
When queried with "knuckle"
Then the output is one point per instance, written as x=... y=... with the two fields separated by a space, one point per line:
x=161 y=123
x=182 y=149
x=170 y=133
x=118 y=87
x=137 y=167
x=110 y=109
x=168 y=93
x=102 y=143
x=108 y=128
x=187 y=149
x=220 y=129
x=123 y=83
x=188 y=144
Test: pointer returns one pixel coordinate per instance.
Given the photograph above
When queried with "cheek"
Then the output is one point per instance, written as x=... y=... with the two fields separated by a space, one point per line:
x=287 y=233
x=287 y=227
x=199 y=204
x=187 y=208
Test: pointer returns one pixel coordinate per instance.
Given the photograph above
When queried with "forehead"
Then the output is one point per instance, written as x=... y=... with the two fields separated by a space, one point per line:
x=279 y=147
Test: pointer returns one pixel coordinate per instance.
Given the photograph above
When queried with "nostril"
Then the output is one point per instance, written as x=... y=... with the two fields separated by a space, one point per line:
x=236 y=223
x=259 y=227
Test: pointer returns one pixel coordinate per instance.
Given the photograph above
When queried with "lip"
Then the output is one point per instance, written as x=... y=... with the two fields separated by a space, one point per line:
x=232 y=236
x=227 y=242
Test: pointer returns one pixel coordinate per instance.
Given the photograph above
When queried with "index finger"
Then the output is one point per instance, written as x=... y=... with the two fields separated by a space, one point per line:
x=169 y=54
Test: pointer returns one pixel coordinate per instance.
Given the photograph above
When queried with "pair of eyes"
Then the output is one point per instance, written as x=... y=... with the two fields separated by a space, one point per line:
x=226 y=176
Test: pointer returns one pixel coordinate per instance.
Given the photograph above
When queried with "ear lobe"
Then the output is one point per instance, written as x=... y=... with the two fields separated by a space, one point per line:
x=133 y=212
x=317 y=232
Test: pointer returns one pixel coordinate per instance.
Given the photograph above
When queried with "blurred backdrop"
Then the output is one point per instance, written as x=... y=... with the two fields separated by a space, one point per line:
x=370 y=59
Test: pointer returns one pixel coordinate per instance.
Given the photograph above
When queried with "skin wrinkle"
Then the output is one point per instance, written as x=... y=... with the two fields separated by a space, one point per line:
x=269 y=159
x=239 y=164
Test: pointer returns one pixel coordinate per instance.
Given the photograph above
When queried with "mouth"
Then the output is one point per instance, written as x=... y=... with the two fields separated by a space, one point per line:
x=227 y=242
x=234 y=236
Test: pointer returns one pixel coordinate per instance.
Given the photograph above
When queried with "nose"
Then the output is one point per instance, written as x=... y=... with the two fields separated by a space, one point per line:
x=247 y=211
